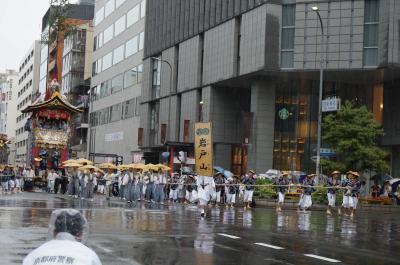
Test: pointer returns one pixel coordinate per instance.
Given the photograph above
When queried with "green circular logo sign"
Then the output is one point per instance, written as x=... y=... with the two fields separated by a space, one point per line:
x=284 y=114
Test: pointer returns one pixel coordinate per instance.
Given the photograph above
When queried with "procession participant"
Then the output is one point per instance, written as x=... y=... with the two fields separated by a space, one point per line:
x=231 y=189
x=18 y=179
x=282 y=188
x=353 y=187
x=109 y=177
x=205 y=185
x=57 y=180
x=11 y=183
x=249 y=181
x=159 y=183
x=129 y=186
x=81 y=184
x=332 y=183
x=90 y=183
x=75 y=183
x=28 y=179
x=5 y=178
x=67 y=229
x=173 y=193
x=150 y=187
x=182 y=188
x=308 y=188
x=219 y=187
x=101 y=183
x=146 y=180
x=123 y=183
x=191 y=189
x=138 y=186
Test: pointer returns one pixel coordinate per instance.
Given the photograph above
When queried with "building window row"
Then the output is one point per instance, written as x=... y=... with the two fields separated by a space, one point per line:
x=120 y=25
x=21 y=117
x=111 y=6
x=117 y=112
x=27 y=59
x=120 y=53
x=118 y=83
x=22 y=143
x=22 y=91
x=27 y=100
x=23 y=77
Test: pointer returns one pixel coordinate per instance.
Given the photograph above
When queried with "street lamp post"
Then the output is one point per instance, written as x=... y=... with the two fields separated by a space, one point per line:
x=321 y=80
x=169 y=96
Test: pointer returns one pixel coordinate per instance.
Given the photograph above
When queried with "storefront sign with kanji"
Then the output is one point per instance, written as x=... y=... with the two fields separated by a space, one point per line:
x=203 y=148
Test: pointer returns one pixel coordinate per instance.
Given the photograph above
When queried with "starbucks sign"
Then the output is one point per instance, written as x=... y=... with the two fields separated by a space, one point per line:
x=283 y=114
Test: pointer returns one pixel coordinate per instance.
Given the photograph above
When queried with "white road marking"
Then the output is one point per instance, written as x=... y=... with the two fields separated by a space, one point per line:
x=230 y=236
x=322 y=258
x=268 y=246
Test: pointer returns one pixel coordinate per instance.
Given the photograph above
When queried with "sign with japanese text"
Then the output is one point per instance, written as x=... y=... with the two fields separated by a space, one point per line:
x=203 y=148
x=331 y=104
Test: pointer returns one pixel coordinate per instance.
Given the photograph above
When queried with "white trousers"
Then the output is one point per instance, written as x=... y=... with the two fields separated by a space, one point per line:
x=248 y=195
x=230 y=198
x=305 y=201
x=191 y=196
x=350 y=202
x=331 y=200
x=218 y=198
x=173 y=194
x=281 y=197
x=100 y=189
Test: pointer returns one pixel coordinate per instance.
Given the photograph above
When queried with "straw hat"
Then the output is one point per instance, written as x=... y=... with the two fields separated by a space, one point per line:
x=354 y=173
x=252 y=171
x=335 y=173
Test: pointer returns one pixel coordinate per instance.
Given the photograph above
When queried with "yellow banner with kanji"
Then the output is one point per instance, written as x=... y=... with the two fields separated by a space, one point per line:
x=203 y=148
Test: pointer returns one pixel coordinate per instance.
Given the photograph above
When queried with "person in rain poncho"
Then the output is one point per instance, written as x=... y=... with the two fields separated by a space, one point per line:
x=66 y=231
x=205 y=187
x=308 y=188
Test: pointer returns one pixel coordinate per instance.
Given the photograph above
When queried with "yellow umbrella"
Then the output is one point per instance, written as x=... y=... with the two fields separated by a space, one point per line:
x=69 y=161
x=84 y=161
x=122 y=167
x=88 y=167
x=72 y=165
x=163 y=167
x=107 y=166
x=151 y=167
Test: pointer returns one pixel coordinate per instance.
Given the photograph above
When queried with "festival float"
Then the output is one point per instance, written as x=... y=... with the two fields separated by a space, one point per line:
x=50 y=128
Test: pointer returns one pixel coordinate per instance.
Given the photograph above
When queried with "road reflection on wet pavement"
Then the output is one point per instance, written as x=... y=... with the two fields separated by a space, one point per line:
x=175 y=234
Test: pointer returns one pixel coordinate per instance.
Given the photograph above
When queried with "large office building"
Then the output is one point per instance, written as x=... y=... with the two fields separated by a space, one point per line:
x=8 y=111
x=76 y=74
x=116 y=80
x=252 y=68
x=28 y=84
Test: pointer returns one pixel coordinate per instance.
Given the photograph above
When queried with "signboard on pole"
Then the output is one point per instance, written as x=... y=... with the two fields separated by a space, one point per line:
x=203 y=148
x=331 y=104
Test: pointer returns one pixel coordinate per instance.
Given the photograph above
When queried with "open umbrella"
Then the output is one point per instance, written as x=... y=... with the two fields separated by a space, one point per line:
x=137 y=166
x=151 y=167
x=163 y=167
x=84 y=161
x=69 y=161
x=228 y=174
x=392 y=181
x=219 y=169
x=72 y=165
x=107 y=166
x=88 y=167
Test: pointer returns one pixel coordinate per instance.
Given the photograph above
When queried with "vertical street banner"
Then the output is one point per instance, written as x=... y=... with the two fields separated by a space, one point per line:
x=203 y=148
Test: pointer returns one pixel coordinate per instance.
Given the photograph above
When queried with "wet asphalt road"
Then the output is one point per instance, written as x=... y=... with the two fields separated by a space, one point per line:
x=175 y=234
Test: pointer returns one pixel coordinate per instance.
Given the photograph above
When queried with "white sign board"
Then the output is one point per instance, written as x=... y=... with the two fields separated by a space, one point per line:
x=330 y=104
x=117 y=136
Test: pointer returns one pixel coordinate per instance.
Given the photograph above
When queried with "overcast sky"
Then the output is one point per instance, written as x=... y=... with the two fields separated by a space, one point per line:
x=20 y=25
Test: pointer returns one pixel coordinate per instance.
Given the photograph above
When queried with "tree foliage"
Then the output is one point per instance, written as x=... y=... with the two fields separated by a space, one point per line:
x=352 y=133
x=57 y=21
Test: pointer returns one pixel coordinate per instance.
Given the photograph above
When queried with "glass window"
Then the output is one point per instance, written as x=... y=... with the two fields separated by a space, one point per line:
x=141 y=41
x=108 y=34
x=129 y=108
x=107 y=61
x=109 y=7
x=115 y=113
x=100 y=40
x=143 y=8
x=119 y=25
x=105 y=89
x=118 y=3
x=43 y=69
x=137 y=109
x=118 y=54
x=131 y=46
x=140 y=73
x=371 y=34
x=130 y=77
x=99 y=16
x=132 y=16
x=117 y=83
x=104 y=116
x=288 y=30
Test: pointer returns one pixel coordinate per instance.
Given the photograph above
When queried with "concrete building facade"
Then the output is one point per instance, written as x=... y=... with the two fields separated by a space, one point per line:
x=252 y=68
x=116 y=80
x=28 y=82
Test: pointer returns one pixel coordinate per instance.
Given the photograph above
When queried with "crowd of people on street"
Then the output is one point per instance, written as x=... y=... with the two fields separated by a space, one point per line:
x=159 y=186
